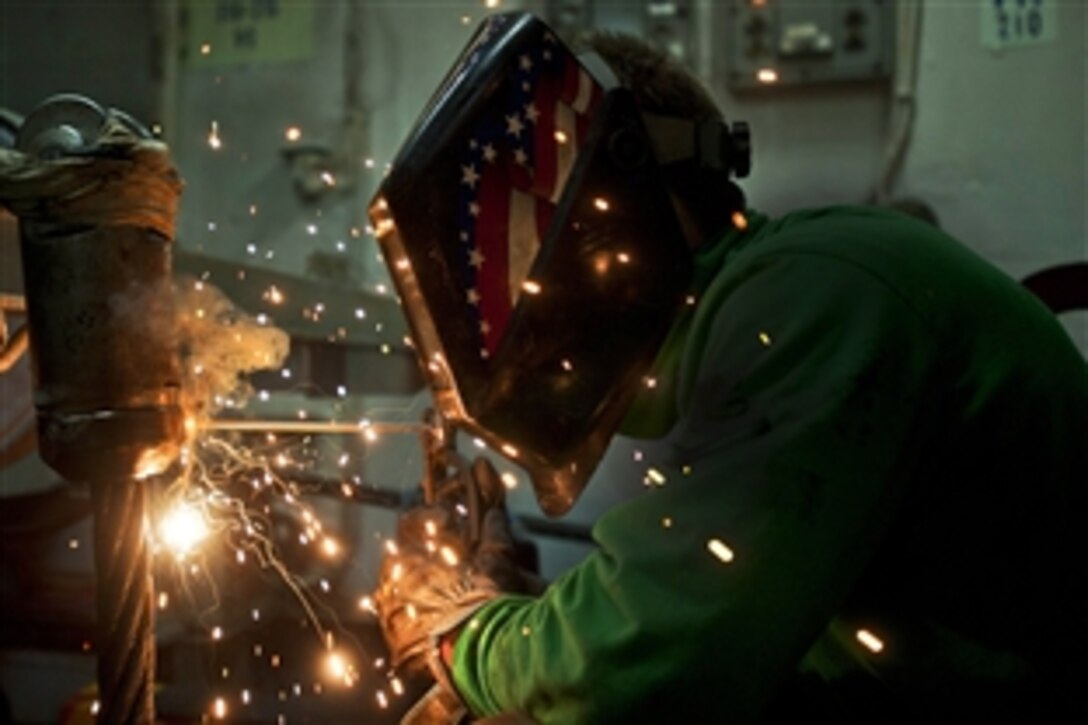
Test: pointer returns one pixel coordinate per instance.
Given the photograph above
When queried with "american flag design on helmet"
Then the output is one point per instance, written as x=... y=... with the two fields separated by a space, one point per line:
x=515 y=167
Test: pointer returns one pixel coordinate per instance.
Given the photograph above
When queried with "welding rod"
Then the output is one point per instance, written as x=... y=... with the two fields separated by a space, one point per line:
x=303 y=426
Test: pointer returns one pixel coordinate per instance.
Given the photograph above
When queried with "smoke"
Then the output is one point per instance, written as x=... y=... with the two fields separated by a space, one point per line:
x=219 y=345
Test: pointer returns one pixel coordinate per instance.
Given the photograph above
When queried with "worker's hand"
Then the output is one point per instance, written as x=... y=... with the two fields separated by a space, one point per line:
x=496 y=553
x=429 y=586
x=443 y=570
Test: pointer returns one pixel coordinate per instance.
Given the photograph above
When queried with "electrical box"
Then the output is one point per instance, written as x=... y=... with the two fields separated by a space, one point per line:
x=788 y=43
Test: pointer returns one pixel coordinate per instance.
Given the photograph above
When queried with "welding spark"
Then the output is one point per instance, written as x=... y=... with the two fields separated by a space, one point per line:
x=654 y=477
x=871 y=642
x=182 y=529
x=273 y=295
x=448 y=555
x=718 y=548
x=336 y=665
x=213 y=137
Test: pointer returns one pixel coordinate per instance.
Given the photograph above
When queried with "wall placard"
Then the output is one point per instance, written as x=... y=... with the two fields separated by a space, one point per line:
x=224 y=32
x=1008 y=23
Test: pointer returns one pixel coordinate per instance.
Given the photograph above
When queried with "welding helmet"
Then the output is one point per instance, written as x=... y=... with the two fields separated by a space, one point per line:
x=532 y=241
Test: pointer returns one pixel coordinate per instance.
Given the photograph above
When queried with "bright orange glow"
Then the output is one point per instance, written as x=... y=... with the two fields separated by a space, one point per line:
x=182 y=529
x=336 y=665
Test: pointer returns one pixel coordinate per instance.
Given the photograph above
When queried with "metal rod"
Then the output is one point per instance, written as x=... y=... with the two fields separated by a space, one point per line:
x=125 y=608
x=304 y=426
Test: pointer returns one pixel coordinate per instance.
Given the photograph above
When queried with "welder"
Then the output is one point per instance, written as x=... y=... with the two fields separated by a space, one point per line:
x=877 y=439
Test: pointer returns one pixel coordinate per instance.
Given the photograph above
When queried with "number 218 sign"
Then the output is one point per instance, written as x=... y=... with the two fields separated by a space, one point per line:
x=1018 y=22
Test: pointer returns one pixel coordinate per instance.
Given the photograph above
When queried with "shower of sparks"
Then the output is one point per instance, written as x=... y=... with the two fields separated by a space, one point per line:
x=234 y=489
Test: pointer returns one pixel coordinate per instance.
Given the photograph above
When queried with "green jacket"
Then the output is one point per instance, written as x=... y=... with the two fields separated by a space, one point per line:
x=872 y=429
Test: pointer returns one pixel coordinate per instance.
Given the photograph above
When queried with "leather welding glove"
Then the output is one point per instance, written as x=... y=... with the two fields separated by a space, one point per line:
x=437 y=579
x=429 y=585
x=496 y=553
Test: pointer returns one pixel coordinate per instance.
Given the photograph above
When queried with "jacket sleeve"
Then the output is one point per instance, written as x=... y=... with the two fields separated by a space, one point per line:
x=801 y=399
